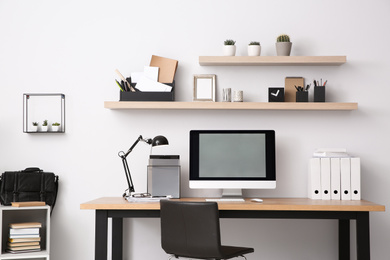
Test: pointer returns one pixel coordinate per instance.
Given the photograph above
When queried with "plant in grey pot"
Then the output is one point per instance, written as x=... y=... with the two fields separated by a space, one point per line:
x=283 y=45
x=229 y=48
x=254 y=49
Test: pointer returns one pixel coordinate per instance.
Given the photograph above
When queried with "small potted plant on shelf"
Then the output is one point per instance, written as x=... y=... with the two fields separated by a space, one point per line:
x=283 y=45
x=34 y=127
x=44 y=126
x=229 y=48
x=55 y=127
x=254 y=49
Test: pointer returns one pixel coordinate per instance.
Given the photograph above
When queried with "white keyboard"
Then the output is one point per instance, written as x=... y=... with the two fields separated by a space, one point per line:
x=225 y=200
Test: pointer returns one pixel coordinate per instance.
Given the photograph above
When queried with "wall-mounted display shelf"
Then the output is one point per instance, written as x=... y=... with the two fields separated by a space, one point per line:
x=272 y=60
x=41 y=214
x=40 y=107
x=230 y=105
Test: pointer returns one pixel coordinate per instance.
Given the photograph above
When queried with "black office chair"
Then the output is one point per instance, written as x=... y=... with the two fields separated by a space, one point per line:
x=191 y=230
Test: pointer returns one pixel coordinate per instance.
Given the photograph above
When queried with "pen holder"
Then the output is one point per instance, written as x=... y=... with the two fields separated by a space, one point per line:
x=319 y=94
x=148 y=96
x=302 y=96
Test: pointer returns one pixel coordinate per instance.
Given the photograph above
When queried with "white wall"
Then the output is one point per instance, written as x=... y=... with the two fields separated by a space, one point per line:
x=73 y=47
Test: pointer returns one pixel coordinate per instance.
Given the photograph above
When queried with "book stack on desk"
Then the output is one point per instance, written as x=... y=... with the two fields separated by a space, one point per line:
x=24 y=237
x=334 y=175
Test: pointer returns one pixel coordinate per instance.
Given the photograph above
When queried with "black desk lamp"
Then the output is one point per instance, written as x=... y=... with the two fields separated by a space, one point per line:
x=158 y=140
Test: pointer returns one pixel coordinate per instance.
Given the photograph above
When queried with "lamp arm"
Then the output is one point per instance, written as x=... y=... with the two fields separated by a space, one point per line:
x=124 y=161
x=128 y=175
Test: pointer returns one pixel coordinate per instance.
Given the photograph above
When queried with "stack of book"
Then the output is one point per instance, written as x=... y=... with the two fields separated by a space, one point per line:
x=24 y=237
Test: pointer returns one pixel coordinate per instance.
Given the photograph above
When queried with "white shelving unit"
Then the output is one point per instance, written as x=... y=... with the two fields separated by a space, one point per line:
x=11 y=214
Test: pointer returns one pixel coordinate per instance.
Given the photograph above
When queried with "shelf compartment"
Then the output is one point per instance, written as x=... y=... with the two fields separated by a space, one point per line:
x=230 y=105
x=43 y=106
x=272 y=60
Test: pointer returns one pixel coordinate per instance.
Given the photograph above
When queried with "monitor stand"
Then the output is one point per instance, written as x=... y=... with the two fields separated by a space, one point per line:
x=232 y=193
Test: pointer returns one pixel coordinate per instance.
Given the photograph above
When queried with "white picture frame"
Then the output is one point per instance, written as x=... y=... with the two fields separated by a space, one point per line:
x=204 y=87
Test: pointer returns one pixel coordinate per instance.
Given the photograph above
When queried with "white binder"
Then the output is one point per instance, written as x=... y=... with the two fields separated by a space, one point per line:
x=325 y=178
x=335 y=178
x=355 y=179
x=314 y=180
x=345 y=170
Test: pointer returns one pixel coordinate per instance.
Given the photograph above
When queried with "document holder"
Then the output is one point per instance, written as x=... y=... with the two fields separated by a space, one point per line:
x=148 y=96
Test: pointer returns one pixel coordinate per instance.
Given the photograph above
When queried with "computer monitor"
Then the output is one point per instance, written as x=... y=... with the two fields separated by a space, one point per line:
x=232 y=160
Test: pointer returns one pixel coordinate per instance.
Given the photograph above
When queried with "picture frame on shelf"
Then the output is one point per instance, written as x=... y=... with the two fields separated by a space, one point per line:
x=204 y=87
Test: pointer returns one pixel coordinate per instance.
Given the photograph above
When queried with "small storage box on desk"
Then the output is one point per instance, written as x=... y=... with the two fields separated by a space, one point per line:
x=148 y=96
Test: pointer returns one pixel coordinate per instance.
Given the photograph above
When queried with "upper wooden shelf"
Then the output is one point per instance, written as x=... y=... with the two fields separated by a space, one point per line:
x=230 y=105
x=272 y=60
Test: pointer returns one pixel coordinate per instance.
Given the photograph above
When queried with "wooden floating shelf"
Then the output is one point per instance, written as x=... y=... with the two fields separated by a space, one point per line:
x=230 y=105
x=272 y=60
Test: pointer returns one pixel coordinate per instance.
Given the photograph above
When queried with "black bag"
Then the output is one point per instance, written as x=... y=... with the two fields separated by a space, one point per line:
x=31 y=184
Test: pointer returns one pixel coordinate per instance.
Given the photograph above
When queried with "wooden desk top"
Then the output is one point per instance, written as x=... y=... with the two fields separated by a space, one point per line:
x=279 y=204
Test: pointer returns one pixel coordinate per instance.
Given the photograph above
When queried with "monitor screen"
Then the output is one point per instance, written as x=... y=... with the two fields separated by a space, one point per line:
x=232 y=159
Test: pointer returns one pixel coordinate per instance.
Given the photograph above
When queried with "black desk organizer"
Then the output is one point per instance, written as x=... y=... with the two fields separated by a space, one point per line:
x=148 y=96
x=302 y=96
x=319 y=94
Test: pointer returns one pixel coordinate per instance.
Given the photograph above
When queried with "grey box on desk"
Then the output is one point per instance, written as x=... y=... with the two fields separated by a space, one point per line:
x=148 y=96
x=164 y=175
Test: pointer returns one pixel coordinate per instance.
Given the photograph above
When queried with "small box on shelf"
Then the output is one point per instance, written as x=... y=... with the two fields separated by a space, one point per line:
x=302 y=96
x=148 y=96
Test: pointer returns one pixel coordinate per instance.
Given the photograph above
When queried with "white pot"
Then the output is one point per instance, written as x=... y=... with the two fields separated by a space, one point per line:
x=229 y=50
x=44 y=128
x=34 y=128
x=55 y=128
x=254 y=50
x=283 y=48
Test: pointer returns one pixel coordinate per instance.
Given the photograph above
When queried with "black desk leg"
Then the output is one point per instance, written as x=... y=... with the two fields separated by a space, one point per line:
x=363 y=236
x=101 y=235
x=344 y=239
x=117 y=238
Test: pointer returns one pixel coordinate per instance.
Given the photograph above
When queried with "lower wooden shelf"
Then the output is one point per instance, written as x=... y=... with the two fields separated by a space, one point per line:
x=230 y=105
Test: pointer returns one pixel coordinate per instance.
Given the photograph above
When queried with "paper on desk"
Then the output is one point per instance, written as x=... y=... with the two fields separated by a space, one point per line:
x=147 y=85
x=147 y=199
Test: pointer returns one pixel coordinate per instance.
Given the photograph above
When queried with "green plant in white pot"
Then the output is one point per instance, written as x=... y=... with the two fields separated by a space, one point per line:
x=254 y=49
x=44 y=126
x=55 y=127
x=283 y=45
x=229 y=48
x=34 y=127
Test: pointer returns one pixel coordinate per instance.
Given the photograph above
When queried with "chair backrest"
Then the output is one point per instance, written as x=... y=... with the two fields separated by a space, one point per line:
x=190 y=229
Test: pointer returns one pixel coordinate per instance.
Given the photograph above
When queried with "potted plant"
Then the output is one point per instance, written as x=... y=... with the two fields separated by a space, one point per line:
x=254 y=49
x=34 y=127
x=44 y=126
x=229 y=48
x=55 y=127
x=283 y=45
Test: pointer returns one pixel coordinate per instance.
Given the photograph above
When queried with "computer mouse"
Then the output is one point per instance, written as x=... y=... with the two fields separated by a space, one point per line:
x=256 y=200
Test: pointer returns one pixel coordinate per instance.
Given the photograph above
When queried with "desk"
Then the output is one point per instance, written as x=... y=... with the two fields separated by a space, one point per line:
x=295 y=208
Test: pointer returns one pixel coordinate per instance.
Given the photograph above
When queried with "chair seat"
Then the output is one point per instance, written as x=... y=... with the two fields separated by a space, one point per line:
x=234 y=251
x=227 y=252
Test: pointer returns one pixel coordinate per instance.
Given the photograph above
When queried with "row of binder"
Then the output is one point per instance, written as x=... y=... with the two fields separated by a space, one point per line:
x=334 y=178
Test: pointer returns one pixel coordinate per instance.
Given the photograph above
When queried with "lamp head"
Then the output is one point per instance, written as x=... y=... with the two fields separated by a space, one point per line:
x=159 y=140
